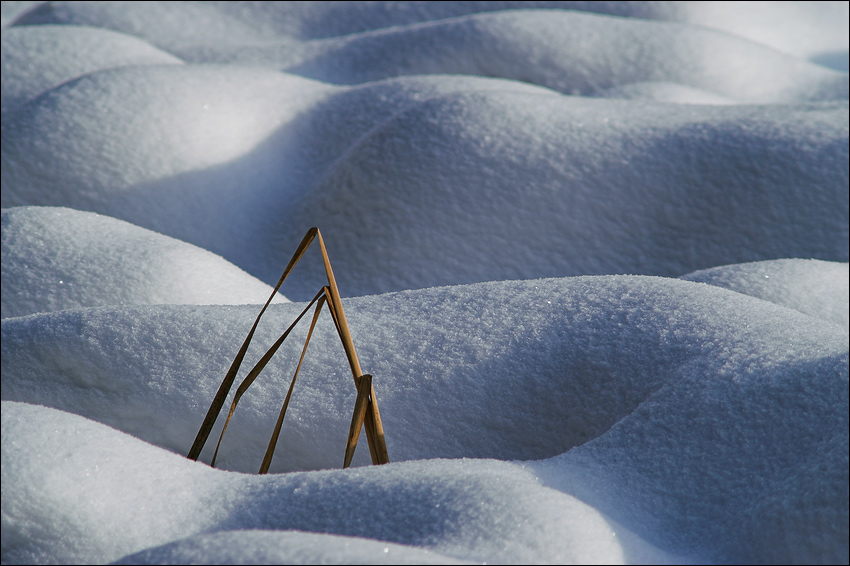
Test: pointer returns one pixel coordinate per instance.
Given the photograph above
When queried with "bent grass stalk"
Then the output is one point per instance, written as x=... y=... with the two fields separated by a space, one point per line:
x=365 y=413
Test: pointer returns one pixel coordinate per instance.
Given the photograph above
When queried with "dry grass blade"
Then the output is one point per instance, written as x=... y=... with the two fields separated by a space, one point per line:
x=366 y=407
x=372 y=422
x=227 y=383
x=267 y=459
x=364 y=390
x=255 y=371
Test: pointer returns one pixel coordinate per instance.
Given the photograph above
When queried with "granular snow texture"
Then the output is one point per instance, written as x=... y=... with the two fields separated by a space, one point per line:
x=595 y=255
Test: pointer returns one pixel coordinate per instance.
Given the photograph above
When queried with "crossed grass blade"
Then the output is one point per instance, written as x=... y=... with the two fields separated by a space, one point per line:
x=365 y=413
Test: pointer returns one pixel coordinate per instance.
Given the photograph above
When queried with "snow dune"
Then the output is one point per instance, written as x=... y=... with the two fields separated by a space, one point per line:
x=785 y=26
x=817 y=288
x=58 y=259
x=744 y=396
x=594 y=348
x=485 y=510
x=30 y=64
x=502 y=44
x=241 y=161
x=580 y=186
x=595 y=255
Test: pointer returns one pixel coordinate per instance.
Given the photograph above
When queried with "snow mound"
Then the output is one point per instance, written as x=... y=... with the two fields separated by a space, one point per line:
x=57 y=258
x=580 y=186
x=469 y=509
x=175 y=26
x=596 y=57
x=187 y=153
x=283 y=547
x=587 y=351
x=748 y=398
x=485 y=175
x=779 y=495
x=37 y=58
x=242 y=160
x=816 y=288
x=167 y=25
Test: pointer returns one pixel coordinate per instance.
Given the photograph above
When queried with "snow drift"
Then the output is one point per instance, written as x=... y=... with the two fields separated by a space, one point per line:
x=594 y=253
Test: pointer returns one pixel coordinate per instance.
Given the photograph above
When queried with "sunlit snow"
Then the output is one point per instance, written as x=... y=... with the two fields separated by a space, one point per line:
x=595 y=255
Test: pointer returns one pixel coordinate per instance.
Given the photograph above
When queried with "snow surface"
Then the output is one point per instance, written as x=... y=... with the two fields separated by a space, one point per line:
x=817 y=288
x=30 y=65
x=595 y=255
x=58 y=258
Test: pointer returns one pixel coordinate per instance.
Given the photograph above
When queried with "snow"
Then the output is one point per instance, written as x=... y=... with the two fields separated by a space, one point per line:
x=284 y=547
x=487 y=510
x=58 y=258
x=30 y=63
x=816 y=288
x=633 y=186
x=632 y=373
x=595 y=255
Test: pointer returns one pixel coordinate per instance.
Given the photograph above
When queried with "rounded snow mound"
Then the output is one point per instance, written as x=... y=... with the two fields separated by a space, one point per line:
x=747 y=397
x=185 y=151
x=57 y=258
x=586 y=352
x=179 y=26
x=486 y=185
x=37 y=58
x=452 y=153
x=816 y=288
x=600 y=54
x=283 y=547
x=424 y=512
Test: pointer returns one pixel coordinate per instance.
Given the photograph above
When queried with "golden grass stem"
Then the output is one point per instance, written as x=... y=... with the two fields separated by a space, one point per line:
x=255 y=371
x=364 y=389
x=227 y=382
x=267 y=459
x=366 y=406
